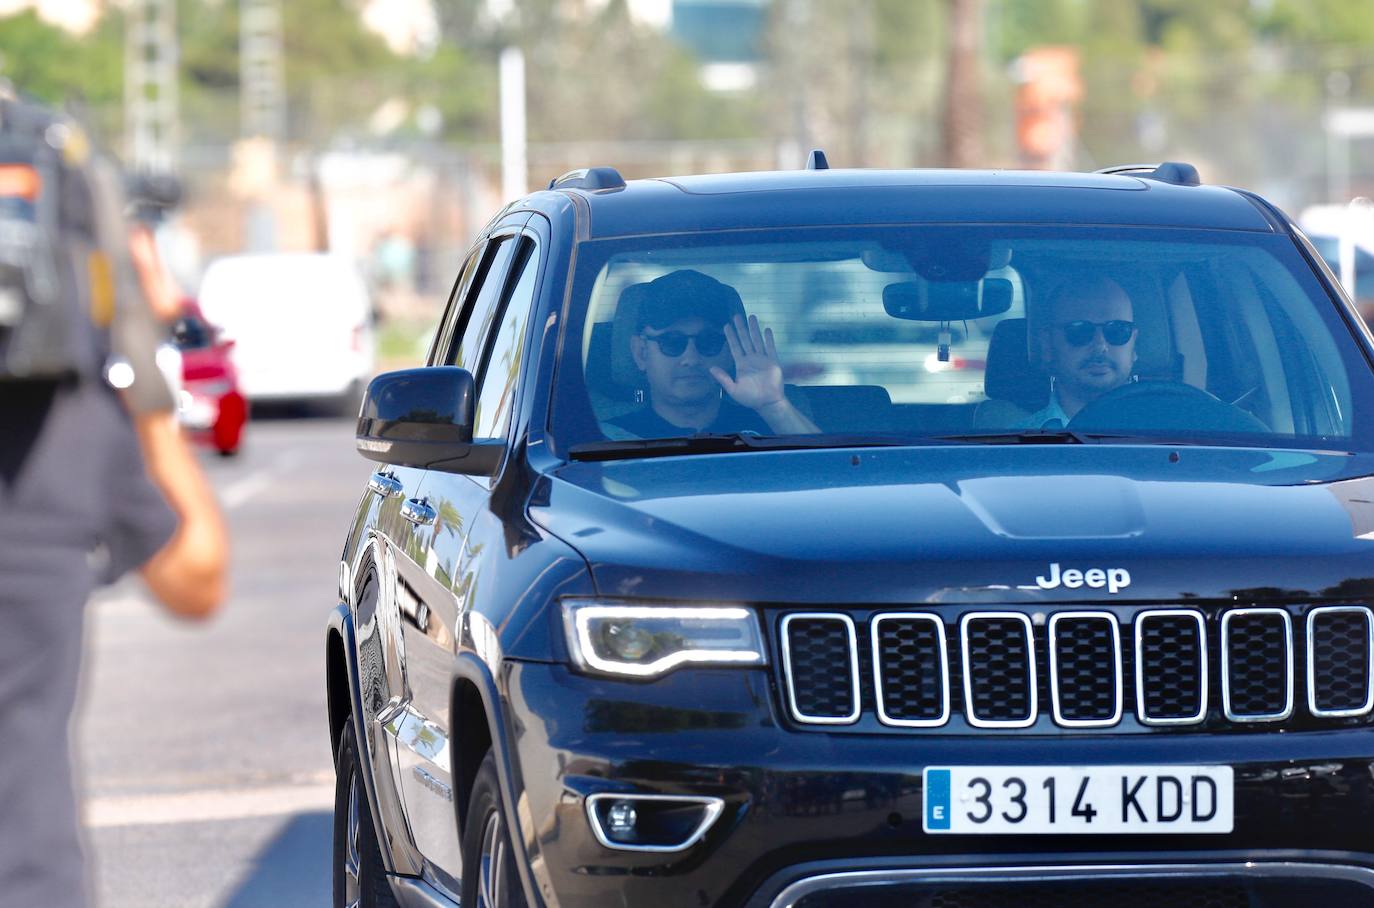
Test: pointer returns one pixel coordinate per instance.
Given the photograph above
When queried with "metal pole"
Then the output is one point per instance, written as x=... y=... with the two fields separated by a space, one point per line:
x=261 y=76
x=1337 y=139
x=514 y=169
x=150 y=84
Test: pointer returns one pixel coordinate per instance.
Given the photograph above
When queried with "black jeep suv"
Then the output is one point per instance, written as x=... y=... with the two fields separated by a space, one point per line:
x=836 y=538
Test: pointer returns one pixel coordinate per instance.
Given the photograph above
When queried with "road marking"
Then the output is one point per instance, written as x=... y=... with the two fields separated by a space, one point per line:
x=238 y=493
x=208 y=805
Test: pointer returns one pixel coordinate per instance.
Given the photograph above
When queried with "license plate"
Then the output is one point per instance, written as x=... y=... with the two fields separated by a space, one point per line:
x=1059 y=800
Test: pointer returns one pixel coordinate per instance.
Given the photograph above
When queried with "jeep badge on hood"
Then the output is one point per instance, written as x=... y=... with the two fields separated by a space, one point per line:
x=1113 y=579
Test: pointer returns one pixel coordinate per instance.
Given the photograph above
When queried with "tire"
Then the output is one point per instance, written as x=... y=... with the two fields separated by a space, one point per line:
x=490 y=878
x=359 y=878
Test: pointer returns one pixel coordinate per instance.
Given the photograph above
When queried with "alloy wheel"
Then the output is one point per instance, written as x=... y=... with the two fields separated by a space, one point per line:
x=353 y=892
x=492 y=873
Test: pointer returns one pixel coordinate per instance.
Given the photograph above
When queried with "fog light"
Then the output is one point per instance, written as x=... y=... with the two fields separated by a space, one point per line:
x=621 y=820
x=662 y=823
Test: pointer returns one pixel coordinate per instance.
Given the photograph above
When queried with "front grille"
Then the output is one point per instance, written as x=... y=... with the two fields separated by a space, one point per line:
x=1338 y=661
x=999 y=669
x=1003 y=664
x=1085 y=669
x=1095 y=895
x=1171 y=667
x=821 y=661
x=1242 y=889
x=1257 y=672
x=911 y=677
x=1133 y=894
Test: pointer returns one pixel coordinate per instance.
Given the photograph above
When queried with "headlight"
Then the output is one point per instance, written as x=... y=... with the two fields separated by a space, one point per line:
x=645 y=641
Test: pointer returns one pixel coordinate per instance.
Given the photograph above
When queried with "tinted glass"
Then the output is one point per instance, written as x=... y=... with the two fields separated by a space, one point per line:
x=497 y=390
x=1329 y=248
x=469 y=347
x=452 y=312
x=1229 y=336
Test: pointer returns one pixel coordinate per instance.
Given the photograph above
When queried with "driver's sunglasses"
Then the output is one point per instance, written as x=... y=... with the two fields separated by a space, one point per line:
x=1080 y=333
x=674 y=343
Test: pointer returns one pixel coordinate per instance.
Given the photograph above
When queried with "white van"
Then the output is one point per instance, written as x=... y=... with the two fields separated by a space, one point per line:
x=301 y=324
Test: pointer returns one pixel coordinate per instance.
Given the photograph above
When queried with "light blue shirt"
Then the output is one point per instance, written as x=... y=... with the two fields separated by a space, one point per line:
x=1049 y=412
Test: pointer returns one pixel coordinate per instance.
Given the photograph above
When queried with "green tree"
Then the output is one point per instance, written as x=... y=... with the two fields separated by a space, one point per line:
x=860 y=80
x=49 y=64
x=596 y=73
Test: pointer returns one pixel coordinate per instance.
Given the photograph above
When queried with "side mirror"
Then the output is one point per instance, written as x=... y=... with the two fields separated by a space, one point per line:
x=423 y=418
x=947 y=301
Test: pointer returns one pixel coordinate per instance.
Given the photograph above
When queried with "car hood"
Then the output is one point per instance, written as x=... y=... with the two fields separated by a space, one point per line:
x=971 y=524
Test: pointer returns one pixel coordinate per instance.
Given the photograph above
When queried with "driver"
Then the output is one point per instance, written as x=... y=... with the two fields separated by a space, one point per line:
x=1087 y=345
x=706 y=369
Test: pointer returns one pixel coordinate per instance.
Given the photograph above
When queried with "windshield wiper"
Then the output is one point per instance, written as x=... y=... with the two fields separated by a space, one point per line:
x=717 y=443
x=1025 y=437
x=1063 y=437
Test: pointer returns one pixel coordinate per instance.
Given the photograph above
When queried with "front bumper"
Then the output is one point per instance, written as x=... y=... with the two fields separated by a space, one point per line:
x=1144 y=881
x=809 y=806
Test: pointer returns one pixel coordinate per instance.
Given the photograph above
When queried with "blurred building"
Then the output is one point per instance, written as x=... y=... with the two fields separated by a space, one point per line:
x=726 y=35
x=77 y=16
x=408 y=26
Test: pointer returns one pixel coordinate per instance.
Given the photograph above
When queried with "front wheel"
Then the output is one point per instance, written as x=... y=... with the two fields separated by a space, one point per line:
x=359 y=879
x=490 y=879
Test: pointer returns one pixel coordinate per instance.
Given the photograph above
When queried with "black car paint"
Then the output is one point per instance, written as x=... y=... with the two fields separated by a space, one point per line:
x=920 y=525
x=956 y=524
x=793 y=798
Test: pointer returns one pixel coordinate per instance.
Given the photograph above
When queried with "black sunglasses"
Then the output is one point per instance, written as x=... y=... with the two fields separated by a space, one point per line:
x=1080 y=333
x=674 y=343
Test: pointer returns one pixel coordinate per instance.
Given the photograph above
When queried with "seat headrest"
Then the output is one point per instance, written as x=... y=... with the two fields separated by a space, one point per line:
x=1010 y=374
x=623 y=369
x=849 y=408
x=1154 y=355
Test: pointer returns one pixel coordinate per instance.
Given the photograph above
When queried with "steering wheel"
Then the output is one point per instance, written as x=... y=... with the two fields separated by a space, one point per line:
x=1163 y=405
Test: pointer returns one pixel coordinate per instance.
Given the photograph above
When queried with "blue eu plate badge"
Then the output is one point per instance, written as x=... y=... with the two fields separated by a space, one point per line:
x=937 y=799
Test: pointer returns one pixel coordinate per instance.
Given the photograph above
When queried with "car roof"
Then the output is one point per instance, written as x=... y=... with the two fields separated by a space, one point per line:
x=856 y=197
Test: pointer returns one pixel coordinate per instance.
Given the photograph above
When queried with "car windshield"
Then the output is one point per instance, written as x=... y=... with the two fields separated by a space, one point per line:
x=1329 y=248
x=959 y=333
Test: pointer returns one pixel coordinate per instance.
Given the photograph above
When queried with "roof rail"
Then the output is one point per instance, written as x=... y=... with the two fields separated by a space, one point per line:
x=592 y=179
x=1175 y=172
x=816 y=160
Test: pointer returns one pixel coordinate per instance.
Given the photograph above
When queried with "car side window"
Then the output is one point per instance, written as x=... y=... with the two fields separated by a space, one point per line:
x=496 y=392
x=443 y=339
x=466 y=352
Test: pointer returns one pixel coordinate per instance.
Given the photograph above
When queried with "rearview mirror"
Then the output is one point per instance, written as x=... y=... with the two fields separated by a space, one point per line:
x=423 y=418
x=947 y=301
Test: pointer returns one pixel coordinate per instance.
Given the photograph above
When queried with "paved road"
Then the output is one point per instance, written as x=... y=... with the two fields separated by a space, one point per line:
x=204 y=749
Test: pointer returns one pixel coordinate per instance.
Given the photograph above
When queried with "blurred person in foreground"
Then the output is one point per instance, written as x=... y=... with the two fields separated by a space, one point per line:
x=95 y=478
